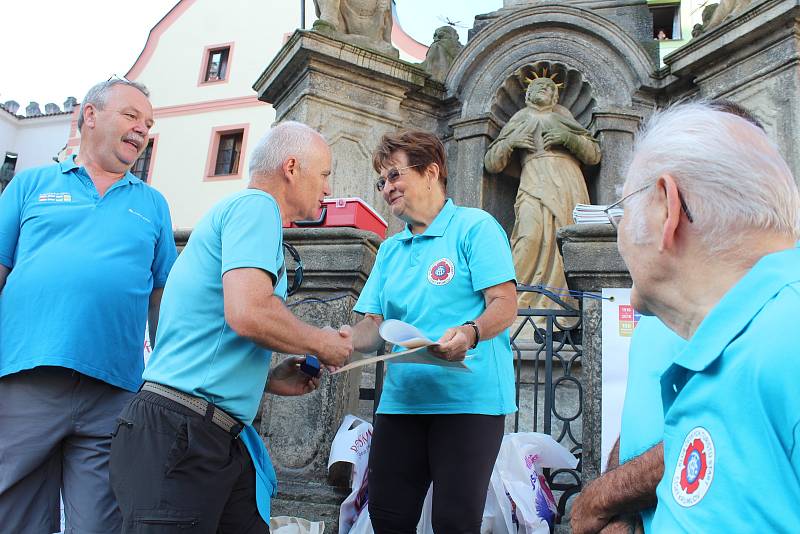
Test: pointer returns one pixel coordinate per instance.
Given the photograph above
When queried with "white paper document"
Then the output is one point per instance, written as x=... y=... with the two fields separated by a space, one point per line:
x=416 y=344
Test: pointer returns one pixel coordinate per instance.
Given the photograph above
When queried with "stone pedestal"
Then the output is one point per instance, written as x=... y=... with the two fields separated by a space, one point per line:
x=299 y=430
x=592 y=262
x=352 y=96
x=751 y=59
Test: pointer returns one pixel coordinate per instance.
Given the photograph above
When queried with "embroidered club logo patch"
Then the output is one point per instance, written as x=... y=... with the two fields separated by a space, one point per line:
x=441 y=272
x=695 y=469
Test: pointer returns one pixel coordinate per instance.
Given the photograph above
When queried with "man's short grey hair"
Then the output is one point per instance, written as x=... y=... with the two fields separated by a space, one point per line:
x=283 y=140
x=98 y=94
x=731 y=175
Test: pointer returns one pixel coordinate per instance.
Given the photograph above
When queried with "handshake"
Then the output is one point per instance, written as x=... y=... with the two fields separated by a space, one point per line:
x=335 y=346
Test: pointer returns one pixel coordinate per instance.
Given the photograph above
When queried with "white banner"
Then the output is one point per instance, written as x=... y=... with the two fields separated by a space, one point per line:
x=619 y=320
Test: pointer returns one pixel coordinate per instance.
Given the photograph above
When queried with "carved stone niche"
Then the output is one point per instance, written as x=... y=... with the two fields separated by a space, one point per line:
x=575 y=97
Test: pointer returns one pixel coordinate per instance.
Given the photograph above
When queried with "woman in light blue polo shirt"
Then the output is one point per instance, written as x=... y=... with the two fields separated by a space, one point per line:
x=450 y=274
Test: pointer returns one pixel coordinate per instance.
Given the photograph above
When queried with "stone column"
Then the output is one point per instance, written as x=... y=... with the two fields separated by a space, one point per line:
x=592 y=262
x=472 y=136
x=299 y=430
x=614 y=129
x=352 y=96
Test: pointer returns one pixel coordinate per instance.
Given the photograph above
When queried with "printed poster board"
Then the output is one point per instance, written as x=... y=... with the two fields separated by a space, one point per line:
x=619 y=320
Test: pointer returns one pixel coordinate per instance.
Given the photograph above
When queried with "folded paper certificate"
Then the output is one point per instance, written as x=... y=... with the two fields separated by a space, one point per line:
x=409 y=337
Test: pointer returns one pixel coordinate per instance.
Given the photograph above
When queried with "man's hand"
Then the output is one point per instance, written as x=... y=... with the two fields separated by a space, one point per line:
x=286 y=378
x=336 y=346
x=627 y=489
x=454 y=343
x=585 y=519
x=619 y=525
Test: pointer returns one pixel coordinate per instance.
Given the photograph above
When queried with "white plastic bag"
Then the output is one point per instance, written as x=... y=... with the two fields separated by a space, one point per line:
x=351 y=444
x=294 y=525
x=518 y=499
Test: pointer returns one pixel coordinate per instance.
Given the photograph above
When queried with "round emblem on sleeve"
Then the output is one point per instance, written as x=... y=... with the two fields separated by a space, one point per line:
x=695 y=469
x=441 y=272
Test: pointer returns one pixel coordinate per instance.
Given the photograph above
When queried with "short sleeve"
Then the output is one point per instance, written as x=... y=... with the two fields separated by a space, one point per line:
x=11 y=205
x=370 y=299
x=488 y=254
x=252 y=235
x=165 y=252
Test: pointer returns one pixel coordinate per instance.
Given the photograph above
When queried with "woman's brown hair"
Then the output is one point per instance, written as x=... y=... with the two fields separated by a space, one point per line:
x=422 y=148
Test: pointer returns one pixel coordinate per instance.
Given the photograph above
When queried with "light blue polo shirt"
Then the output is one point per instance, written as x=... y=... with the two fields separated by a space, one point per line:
x=653 y=348
x=434 y=281
x=82 y=270
x=196 y=350
x=732 y=411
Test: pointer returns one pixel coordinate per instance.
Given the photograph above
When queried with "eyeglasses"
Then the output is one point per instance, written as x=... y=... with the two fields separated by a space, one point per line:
x=615 y=211
x=392 y=176
x=297 y=281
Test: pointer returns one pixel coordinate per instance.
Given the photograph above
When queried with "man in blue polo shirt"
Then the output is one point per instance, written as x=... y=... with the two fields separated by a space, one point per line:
x=610 y=503
x=185 y=454
x=709 y=239
x=85 y=248
x=626 y=494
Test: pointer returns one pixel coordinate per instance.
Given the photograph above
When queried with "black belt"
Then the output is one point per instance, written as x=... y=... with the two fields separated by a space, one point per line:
x=218 y=417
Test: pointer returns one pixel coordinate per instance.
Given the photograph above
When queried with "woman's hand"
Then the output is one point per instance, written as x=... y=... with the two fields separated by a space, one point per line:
x=454 y=343
x=286 y=378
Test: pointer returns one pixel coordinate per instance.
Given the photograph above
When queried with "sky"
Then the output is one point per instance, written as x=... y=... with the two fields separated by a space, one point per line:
x=52 y=60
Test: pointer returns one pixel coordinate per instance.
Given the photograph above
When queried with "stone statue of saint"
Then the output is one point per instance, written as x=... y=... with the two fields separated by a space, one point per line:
x=727 y=9
x=442 y=52
x=550 y=145
x=708 y=13
x=364 y=23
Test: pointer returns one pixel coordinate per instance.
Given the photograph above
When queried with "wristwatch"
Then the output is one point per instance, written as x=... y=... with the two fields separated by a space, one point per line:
x=477 y=332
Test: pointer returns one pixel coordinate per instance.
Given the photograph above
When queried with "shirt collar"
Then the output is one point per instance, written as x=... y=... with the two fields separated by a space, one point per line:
x=437 y=226
x=738 y=306
x=69 y=165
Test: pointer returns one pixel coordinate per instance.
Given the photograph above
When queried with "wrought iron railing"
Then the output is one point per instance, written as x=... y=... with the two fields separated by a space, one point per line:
x=549 y=340
x=547 y=346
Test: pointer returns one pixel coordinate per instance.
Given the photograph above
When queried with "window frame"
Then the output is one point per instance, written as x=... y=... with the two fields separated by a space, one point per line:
x=153 y=138
x=206 y=57
x=213 y=151
x=676 y=6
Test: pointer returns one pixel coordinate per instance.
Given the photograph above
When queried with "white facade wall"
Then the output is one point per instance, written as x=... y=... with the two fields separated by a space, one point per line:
x=36 y=140
x=186 y=112
x=181 y=154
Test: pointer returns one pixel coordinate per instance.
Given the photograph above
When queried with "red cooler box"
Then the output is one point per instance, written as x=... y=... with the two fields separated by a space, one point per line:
x=352 y=212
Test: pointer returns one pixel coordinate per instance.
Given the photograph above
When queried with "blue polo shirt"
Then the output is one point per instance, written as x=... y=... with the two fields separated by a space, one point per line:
x=653 y=348
x=196 y=351
x=82 y=270
x=732 y=411
x=435 y=281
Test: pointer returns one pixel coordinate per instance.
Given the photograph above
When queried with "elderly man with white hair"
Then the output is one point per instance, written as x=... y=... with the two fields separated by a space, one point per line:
x=176 y=462
x=712 y=215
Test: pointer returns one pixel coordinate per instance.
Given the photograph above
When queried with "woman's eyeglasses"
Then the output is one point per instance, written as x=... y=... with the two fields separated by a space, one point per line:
x=392 y=176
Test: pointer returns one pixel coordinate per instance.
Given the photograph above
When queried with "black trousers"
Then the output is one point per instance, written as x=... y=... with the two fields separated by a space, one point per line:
x=174 y=471
x=408 y=452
